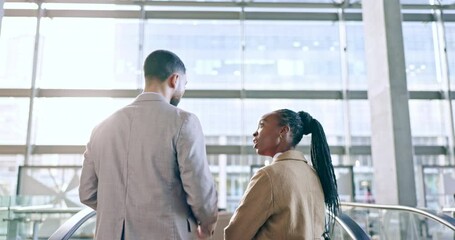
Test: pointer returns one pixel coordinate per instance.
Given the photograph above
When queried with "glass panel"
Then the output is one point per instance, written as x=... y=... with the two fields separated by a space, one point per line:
x=56 y=159
x=89 y=53
x=210 y=49
x=221 y=119
x=16 y=52
x=328 y=112
x=356 y=56
x=397 y=224
x=86 y=230
x=13 y=120
x=302 y=1
x=427 y=124
x=59 y=183
x=34 y=217
x=280 y=56
x=360 y=122
x=232 y=174
x=420 y=56
x=439 y=184
x=416 y=1
x=65 y=121
x=8 y=173
x=363 y=179
x=450 y=45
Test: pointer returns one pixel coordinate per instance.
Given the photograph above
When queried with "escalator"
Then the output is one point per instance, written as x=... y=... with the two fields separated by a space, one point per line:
x=82 y=225
x=358 y=221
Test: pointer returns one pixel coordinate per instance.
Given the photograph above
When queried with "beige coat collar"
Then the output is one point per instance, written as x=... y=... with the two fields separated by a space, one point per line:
x=290 y=155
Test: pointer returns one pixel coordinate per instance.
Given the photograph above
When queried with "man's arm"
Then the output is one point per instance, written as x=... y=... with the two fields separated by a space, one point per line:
x=254 y=209
x=196 y=177
x=88 y=187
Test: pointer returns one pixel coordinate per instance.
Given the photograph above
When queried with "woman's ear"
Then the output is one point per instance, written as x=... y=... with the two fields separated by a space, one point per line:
x=284 y=130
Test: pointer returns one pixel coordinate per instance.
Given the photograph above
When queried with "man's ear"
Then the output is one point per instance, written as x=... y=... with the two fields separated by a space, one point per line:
x=173 y=80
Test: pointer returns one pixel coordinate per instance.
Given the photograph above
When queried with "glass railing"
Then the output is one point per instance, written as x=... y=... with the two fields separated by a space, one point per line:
x=400 y=222
x=32 y=217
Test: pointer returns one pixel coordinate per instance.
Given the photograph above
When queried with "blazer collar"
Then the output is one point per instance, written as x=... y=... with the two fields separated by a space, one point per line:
x=290 y=155
x=149 y=96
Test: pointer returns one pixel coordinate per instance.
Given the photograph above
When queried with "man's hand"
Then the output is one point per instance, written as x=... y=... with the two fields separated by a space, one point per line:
x=203 y=234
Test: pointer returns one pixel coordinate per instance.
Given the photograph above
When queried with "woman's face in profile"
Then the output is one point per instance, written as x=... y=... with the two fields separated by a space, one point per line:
x=266 y=139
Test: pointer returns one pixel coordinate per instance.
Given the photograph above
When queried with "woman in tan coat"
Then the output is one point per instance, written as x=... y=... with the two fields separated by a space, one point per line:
x=287 y=199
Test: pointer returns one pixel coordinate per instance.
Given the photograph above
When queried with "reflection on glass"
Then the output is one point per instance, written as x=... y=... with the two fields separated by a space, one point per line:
x=89 y=53
x=210 y=49
x=427 y=123
x=13 y=120
x=16 y=52
x=283 y=55
x=63 y=121
x=419 y=56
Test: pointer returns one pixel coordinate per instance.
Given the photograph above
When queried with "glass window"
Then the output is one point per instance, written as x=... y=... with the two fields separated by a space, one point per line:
x=450 y=45
x=68 y=121
x=302 y=1
x=283 y=55
x=356 y=56
x=89 y=53
x=221 y=119
x=360 y=122
x=210 y=49
x=16 y=52
x=56 y=159
x=13 y=120
x=8 y=173
x=415 y=1
x=328 y=112
x=427 y=123
x=420 y=56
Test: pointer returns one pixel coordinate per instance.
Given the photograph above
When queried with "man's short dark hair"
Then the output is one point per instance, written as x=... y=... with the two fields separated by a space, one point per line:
x=161 y=64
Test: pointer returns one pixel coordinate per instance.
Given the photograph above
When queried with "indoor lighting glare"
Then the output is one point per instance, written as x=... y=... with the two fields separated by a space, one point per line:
x=357 y=163
x=261 y=47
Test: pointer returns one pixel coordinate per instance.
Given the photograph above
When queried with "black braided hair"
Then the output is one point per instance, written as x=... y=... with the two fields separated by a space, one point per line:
x=300 y=124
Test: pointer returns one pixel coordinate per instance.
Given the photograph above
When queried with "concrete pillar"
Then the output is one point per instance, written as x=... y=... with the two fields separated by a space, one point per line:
x=391 y=142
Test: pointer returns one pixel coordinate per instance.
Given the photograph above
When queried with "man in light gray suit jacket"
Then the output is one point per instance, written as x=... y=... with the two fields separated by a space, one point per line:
x=145 y=169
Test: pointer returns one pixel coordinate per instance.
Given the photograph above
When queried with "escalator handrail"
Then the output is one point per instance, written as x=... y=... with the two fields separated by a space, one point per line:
x=351 y=227
x=68 y=228
x=441 y=218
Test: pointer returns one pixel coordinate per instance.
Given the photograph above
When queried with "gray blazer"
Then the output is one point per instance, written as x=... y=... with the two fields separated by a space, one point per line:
x=145 y=172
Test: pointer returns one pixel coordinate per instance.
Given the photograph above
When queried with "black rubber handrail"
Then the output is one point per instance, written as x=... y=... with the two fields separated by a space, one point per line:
x=441 y=218
x=68 y=228
x=351 y=227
